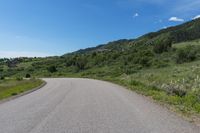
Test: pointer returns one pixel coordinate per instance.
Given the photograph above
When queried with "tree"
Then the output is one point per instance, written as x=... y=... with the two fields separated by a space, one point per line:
x=28 y=75
x=52 y=69
x=186 y=54
x=81 y=63
x=161 y=46
x=2 y=77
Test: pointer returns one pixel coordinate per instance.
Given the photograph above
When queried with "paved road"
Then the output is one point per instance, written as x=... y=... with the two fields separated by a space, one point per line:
x=87 y=106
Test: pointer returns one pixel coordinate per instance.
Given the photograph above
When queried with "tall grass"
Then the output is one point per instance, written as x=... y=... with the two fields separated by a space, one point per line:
x=11 y=87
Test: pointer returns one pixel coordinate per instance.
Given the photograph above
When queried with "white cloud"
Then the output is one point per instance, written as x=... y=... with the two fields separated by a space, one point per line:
x=196 y=17
x=13 y=54
x=176 y=19
x=136 y=15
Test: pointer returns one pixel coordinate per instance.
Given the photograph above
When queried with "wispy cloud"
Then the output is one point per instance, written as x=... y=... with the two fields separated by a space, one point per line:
x=196 y=17
x=136 y=15
x=13 y=54
x=176 y=19
x=158 y=21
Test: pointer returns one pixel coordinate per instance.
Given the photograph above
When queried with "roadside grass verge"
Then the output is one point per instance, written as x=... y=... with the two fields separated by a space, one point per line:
x=187 y=106
x=177 y=86
x=12 y=87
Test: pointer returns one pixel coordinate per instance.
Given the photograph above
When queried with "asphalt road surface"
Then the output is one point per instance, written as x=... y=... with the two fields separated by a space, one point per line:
x=87 y=106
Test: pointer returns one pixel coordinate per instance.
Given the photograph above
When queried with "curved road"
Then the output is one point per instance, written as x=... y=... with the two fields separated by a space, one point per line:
x=87 y=106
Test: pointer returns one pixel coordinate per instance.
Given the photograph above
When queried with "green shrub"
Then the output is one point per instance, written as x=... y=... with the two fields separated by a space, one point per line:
x=1 y=69
x=52 y=69
x=14 y=93
x=173 y=89
x=19 y=78
x=162 y=46
x=134 y=83
x=2 y=77
x=186 y=54
x=28 y=75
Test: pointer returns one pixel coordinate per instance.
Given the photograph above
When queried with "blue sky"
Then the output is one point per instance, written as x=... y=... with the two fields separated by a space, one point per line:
x=54 y=27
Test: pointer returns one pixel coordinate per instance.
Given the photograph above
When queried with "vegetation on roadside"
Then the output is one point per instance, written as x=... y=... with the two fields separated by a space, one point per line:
x=176 y=86
x=12 y=87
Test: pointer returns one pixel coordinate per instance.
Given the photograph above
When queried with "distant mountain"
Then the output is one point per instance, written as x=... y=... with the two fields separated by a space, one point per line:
x=118 y=45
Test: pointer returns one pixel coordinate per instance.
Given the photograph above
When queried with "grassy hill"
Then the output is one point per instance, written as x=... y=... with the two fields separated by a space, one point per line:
x=164 y=65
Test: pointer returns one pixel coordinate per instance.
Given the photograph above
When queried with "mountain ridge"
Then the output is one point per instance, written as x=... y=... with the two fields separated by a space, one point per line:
x=184 y=32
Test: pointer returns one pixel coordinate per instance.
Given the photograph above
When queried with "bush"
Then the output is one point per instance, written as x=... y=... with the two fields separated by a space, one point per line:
x=134 y=83
x=162 y=46
x=186 y=54
x=173 y=89
x=2 y=78
x=52 y=69
x=28 y=75
x=14 y=93
x=143 y=58
x=19 y=78
x=129 y=70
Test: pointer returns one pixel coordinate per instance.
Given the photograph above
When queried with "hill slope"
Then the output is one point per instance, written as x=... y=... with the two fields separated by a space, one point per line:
x=123 y=56
x=185 y=32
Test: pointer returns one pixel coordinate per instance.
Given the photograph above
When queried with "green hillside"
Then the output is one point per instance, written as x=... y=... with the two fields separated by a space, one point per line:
x=186 y=32
x=153 y=50
x=164 y=65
